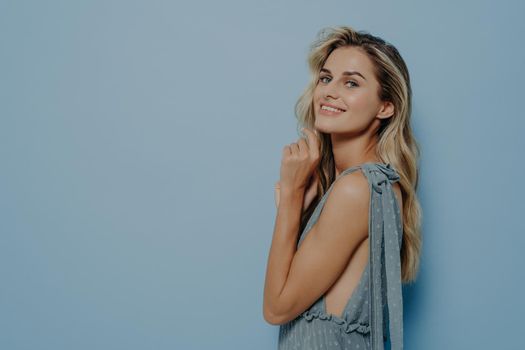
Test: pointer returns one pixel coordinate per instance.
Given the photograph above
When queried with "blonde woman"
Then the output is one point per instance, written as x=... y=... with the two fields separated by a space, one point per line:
x=347 y=230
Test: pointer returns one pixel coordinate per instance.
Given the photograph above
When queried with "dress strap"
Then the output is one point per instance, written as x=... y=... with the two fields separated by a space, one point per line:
x=385 y=238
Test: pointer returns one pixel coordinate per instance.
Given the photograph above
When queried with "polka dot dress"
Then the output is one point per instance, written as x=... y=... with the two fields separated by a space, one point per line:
x=378 y=295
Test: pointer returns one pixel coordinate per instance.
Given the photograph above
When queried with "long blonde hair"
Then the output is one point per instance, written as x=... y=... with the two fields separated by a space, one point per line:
x=396 y=143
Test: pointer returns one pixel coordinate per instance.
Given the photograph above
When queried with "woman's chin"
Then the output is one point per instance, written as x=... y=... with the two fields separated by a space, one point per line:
x=325 y=126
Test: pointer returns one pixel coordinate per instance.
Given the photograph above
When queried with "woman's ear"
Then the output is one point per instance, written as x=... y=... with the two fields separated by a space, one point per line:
x=387 y=110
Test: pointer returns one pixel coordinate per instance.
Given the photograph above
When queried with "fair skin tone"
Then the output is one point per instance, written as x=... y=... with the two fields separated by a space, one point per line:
x=333 y=254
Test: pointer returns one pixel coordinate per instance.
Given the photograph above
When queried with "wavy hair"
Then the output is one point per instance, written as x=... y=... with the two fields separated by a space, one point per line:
x=395 y=140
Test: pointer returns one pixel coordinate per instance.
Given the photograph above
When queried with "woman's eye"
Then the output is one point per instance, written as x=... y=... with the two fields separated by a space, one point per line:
x=322 y=80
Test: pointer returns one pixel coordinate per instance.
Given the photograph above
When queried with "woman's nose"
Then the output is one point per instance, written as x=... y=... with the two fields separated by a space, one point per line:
x=330 y=91
x=330 y=96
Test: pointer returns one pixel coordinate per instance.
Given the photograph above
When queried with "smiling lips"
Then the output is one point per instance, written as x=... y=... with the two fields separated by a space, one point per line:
x=328 y=109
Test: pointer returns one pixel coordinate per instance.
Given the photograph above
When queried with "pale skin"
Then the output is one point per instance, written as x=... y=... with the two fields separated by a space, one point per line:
x=332 y=257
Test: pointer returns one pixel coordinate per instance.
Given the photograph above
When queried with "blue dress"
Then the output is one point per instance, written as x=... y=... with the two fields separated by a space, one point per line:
x=378 y=295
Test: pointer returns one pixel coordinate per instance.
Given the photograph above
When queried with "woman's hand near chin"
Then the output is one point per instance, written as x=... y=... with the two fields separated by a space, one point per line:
x=298 y=164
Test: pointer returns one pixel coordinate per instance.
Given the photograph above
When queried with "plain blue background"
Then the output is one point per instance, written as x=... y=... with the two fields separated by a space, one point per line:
x=140 y=142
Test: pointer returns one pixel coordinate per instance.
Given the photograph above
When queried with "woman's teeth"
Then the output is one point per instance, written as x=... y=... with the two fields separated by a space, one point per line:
x=331 y=109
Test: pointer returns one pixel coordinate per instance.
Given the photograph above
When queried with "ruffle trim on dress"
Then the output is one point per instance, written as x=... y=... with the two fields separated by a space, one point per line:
x=347 y=327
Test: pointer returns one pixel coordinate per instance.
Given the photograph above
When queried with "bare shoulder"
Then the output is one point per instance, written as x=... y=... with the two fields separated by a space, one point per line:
x=348 y=204
x=353 y=186
x=353 y=189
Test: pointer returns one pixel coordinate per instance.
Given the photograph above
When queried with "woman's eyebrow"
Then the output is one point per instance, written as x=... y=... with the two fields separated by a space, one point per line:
x=344 y=73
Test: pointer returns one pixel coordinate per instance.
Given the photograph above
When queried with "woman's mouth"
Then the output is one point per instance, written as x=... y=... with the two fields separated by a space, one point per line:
x=330 y=111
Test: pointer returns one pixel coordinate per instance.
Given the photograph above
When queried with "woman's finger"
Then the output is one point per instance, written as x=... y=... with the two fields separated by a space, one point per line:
x=286 y=151
x=303 y=145
x=313 y=142
x=294 y=148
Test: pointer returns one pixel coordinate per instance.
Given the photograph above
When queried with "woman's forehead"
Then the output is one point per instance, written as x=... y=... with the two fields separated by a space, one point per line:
x=348 y=59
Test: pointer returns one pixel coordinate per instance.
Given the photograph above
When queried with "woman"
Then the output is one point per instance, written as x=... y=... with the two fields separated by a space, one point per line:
x=349 y=188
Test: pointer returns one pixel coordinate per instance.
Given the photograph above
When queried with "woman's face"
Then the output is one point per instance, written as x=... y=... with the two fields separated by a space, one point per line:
x=346 y=82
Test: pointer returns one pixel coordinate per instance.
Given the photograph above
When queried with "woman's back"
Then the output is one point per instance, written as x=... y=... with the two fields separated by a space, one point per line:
x=362 y=324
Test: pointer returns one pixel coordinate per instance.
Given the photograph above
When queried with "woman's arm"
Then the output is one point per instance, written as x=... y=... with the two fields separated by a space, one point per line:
x=296 y=278
x=282 y=249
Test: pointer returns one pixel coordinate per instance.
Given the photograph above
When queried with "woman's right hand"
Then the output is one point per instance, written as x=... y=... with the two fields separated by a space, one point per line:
x=300 y=158
x=309 y=195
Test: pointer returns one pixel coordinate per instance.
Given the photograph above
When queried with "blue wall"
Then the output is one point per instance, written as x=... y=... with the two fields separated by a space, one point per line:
x=140 y=142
